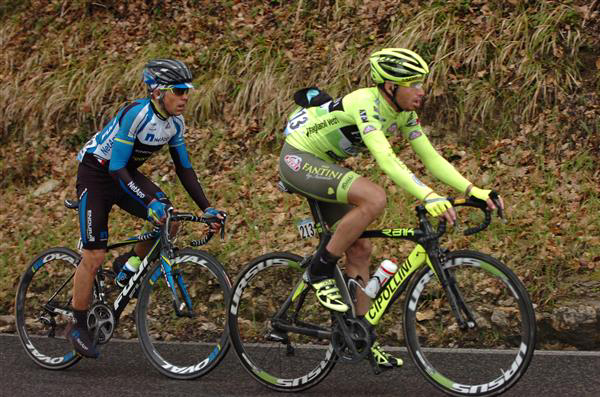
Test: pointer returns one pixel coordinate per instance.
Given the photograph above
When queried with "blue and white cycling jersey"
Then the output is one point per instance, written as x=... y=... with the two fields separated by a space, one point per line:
x=131 y=137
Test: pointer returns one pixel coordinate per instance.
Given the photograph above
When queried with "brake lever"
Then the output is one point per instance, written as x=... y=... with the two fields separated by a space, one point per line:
x=496 y=200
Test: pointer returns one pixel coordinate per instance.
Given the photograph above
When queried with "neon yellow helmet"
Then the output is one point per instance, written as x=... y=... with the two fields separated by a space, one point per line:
x=397 y=65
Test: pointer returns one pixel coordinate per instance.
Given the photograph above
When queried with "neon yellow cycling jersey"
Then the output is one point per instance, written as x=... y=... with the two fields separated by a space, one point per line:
x=364 y=119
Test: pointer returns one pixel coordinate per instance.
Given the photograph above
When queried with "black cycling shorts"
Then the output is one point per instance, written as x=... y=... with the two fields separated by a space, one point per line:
x=98 y=192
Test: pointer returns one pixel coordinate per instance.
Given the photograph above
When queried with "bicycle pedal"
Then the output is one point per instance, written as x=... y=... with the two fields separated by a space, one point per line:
x=377 y=369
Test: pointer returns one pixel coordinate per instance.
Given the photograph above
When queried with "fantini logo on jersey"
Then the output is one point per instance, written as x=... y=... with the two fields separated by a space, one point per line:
x=294 y=162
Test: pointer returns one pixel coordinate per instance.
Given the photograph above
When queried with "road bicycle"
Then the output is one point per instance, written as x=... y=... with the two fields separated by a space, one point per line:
x=456 y=302
x=181 y=296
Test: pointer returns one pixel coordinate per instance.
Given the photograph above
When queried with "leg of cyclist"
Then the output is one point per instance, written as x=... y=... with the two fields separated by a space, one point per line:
x=369 y=201
x=83 y=284
x=358 y=254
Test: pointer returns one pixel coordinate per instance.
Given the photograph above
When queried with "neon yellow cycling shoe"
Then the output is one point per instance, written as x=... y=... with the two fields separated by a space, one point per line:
x=328 y=295
x=383 y=359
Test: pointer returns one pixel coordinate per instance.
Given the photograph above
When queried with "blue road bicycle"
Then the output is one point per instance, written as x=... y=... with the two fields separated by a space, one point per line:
x=181 y=296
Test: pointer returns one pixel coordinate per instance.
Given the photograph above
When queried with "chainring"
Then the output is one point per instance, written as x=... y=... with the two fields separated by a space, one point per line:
x=101 y=322
x=351 y=340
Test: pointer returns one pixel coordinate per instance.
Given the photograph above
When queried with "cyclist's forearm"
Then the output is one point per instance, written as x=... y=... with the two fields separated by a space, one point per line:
x=438 y=165
x=123 y=178
x=393 y=167
x=190 y=182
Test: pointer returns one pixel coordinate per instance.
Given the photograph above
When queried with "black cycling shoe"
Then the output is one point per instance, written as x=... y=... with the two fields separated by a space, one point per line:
x=80 y=338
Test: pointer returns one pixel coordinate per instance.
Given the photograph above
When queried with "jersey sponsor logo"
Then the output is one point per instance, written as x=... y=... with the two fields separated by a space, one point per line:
x=318 y=126
x=368 y=129
x=414 y=134
x=135 y=189
x=330 y=191
x=154 y=138
x=322 y=171
x=392 y=128
x=293 y=161
x=363 y=115
x=107 y=147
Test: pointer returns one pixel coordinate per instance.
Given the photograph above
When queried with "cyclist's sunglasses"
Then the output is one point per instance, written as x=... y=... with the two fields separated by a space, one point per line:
x=415 y=83
x=176 y=90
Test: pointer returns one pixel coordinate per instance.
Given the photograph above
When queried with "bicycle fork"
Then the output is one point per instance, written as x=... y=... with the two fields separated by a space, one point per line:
x=455 y=298
x=174 y=277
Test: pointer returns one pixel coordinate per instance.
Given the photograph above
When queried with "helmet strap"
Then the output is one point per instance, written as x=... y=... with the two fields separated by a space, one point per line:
x=159 y=105
x=392 y=97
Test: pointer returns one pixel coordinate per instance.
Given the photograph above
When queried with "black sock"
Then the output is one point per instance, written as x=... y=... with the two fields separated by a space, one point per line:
x=323 y=266
x=80 y=318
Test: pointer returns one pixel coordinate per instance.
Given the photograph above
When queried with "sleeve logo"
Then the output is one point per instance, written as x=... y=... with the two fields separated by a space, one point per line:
x=414 y=134
x=363 y=115
x=368 y=129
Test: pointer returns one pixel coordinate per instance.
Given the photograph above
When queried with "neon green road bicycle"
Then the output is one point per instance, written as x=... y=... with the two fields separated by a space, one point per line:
x=457 y=302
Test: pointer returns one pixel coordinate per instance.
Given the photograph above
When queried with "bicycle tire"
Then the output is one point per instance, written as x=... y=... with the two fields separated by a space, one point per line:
x=202 y=339
x=503 y=338
x=258 y=293
x=40 y=327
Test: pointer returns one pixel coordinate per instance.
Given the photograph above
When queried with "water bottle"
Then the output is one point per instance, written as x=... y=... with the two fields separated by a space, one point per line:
x=129 y=269
x=383 y=273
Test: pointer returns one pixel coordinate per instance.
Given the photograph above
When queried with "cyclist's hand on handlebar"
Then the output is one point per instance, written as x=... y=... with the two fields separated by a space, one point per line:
x=157 y=212
x=210 y=212
x=437 y=205
x=493 y=199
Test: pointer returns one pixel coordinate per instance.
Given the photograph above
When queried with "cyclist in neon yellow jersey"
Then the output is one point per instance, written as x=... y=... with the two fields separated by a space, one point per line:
x=323 y=132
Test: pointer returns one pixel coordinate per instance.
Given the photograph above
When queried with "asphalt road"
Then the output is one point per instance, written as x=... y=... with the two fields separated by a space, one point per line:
x=122 y=370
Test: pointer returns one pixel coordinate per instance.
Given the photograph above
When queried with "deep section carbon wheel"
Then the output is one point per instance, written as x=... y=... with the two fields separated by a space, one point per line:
x=188 y=341
x=492 y=351
x=43 y=308
x=279 y=331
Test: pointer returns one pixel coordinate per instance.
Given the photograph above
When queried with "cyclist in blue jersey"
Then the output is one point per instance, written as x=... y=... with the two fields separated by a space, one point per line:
x=108 y=174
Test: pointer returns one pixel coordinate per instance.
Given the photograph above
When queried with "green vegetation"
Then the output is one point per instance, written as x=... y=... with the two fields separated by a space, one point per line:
x=513 y=101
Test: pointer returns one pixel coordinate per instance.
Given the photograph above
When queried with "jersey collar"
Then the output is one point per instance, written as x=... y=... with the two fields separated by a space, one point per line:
x=158 y=111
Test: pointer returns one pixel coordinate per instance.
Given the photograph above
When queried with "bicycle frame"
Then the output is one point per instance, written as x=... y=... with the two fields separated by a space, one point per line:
x=426 y=240
x=163 y=249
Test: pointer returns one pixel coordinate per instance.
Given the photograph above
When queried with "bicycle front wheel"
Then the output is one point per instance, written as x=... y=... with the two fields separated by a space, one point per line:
x=489 y=355
x=188 y=341
x=279 y=331
x=43 y=308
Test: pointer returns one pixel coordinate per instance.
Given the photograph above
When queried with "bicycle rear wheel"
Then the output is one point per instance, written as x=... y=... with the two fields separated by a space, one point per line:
x=189 y=344
x=483 y=360
x=281 y=360
x=43 y=308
